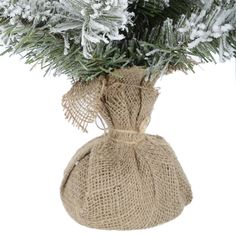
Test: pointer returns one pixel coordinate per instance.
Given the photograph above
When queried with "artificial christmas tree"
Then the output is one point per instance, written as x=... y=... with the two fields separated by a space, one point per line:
x=114 y=51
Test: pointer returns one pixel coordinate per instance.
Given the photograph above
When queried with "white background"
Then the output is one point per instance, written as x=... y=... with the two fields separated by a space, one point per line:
x=196 y=114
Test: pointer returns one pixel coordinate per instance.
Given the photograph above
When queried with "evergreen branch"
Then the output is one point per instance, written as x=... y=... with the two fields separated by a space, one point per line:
x=165 y=35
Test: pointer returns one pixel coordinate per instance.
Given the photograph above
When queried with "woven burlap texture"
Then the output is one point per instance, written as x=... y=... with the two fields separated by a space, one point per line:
x=124 y=179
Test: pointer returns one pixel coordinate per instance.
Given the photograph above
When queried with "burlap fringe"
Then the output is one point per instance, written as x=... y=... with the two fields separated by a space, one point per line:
x=80 y=104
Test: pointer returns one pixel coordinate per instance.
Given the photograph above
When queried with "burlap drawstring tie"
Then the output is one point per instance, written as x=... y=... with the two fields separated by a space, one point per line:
x=128 y=136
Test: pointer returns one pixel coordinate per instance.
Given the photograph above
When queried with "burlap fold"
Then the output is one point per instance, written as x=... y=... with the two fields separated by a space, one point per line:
x=124 y=179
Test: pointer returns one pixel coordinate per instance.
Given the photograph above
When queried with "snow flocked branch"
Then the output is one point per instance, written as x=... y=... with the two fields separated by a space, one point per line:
x=86 y=38
x=208 y=30
x=211 y=23
x=87 y=22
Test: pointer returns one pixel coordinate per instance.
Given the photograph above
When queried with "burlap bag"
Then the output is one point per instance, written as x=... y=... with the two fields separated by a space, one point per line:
x=125 y=179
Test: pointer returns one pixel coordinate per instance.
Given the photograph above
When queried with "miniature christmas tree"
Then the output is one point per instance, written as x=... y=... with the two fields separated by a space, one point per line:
x=114 y=51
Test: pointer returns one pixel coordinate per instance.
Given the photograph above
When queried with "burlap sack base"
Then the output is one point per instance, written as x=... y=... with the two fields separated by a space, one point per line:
x=125 y=179
x=104 y=190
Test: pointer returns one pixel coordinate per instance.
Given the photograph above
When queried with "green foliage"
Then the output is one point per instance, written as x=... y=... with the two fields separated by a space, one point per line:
x=45 y=49
x=174 y=36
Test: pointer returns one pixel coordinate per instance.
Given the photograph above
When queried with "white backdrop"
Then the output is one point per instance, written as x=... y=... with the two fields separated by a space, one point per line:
x=195 y=113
